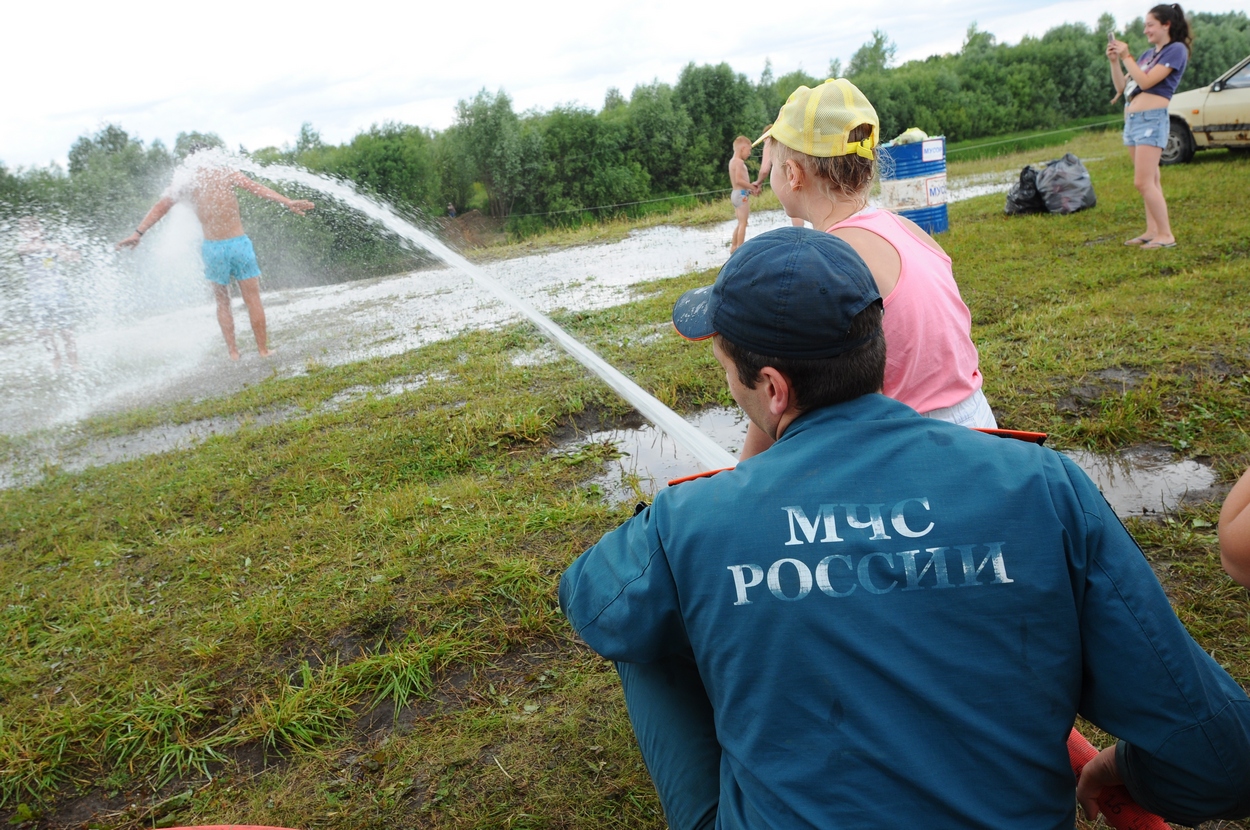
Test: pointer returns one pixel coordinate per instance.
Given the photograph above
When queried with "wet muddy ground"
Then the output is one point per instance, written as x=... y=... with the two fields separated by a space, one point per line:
x=179 y=356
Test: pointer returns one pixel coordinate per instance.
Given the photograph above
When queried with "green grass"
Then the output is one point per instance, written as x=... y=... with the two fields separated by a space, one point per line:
x=348 y=619
x=1030 y=140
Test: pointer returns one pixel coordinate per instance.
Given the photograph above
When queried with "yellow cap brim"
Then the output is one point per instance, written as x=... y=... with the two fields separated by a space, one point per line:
x=766 y=134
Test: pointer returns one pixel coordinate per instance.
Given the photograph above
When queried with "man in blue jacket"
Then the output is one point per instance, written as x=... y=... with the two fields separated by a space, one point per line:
x=886 y=620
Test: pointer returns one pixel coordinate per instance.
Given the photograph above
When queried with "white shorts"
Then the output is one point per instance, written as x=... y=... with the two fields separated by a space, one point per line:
x=973 y=411
x=739 y=198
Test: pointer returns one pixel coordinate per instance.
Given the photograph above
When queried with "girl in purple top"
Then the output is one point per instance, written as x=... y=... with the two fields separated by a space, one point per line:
x=1148 y=87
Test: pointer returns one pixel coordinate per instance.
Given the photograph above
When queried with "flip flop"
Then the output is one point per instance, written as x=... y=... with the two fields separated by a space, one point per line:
x=1154 y=246
x=1137 y=240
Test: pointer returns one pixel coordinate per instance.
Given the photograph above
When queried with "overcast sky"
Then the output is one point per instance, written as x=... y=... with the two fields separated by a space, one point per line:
x=252 y=72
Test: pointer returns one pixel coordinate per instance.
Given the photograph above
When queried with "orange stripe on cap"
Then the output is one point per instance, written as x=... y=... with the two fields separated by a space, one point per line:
x=692 y=339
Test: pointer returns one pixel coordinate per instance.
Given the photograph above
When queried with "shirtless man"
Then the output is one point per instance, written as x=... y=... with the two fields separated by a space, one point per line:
x=208 y=185
x=743 y=189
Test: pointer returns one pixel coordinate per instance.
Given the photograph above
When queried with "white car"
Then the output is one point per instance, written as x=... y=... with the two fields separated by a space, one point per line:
x=1214 y=116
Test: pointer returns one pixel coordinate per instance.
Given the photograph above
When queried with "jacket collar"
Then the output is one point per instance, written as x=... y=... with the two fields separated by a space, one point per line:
x=874 y=407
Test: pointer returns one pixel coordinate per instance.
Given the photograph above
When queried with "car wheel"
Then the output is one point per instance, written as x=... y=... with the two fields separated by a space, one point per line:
x=1180 y=146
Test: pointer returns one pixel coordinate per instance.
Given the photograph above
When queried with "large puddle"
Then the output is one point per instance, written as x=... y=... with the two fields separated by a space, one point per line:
x=1140 y=481
x=1147 y=480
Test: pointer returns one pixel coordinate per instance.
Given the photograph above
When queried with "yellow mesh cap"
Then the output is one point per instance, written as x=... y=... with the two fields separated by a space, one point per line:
x=819 y=121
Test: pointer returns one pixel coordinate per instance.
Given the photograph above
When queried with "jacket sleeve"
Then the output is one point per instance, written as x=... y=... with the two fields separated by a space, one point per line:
x=1184 y=723
x=620 y=595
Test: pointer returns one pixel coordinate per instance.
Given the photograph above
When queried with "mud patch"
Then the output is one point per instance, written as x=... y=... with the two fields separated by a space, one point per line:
x=1219 y=367
x=365 y=637
x=138 y=807
x=1115 y=380
x=1126 y=377
x=79 y=810
x=512 y=680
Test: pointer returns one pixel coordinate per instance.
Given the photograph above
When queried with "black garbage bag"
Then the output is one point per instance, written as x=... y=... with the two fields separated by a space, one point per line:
x=1065 y=186
x=1023 y=196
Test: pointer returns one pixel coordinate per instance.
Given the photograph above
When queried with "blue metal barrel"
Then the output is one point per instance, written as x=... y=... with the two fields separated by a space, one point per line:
x=913 y=182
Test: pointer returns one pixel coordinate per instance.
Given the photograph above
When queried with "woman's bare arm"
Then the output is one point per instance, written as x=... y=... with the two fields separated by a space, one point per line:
x=1235 y=531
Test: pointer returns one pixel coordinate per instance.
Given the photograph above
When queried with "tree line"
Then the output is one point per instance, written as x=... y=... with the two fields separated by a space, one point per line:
x=573 y=164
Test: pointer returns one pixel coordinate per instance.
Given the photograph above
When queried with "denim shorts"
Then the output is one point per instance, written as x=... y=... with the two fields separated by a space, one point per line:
x=1148 y=127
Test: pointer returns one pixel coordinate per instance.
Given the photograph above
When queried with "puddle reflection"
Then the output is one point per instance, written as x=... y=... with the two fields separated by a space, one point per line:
x=650 y=459
x=1145 y=480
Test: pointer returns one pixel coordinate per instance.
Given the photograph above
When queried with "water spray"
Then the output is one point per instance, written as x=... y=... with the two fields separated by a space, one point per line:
x=710 y=454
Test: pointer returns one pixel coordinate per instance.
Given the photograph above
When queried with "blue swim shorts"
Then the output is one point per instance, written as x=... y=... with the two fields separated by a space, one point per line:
x=227 y=258
x=1149 y=127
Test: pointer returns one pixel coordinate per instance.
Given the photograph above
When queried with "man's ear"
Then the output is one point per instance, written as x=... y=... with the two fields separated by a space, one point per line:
x=780 y=394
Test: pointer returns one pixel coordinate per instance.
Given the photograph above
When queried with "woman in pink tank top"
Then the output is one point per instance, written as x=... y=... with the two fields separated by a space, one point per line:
x=822 y=149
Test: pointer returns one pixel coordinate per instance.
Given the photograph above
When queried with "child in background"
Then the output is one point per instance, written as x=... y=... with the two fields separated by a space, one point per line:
x=1235 y=531
x=823 y=153
x=743 y=189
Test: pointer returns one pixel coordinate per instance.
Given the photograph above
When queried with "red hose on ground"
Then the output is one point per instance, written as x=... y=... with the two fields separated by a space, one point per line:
x=1117 y=806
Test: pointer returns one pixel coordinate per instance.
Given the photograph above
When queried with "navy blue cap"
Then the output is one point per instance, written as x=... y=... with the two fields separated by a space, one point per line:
x=792 y=292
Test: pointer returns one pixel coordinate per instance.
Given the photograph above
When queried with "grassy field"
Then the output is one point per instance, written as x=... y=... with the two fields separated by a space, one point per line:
x=347 y=619
x=1030 y=141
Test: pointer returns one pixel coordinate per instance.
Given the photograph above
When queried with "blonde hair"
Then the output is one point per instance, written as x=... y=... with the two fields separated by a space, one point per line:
x=843 y=178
